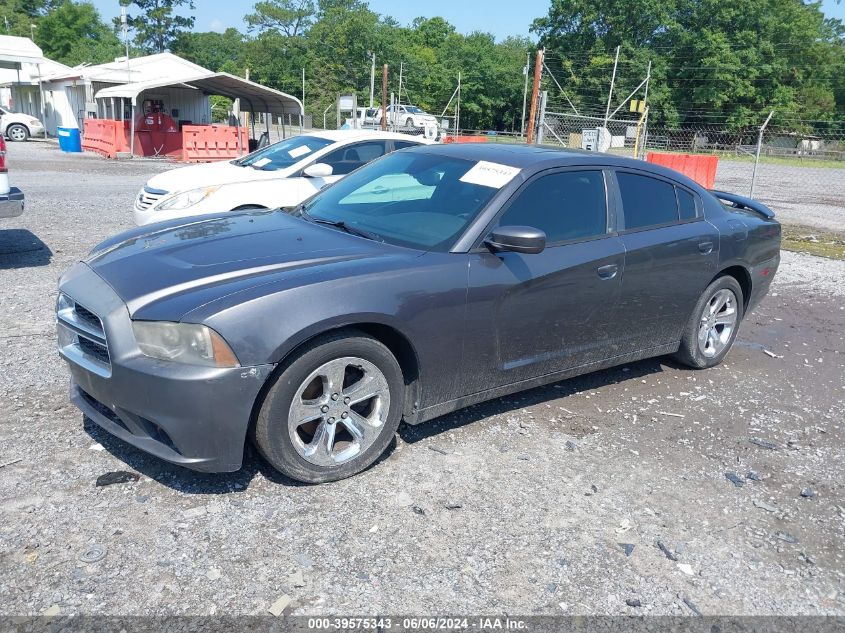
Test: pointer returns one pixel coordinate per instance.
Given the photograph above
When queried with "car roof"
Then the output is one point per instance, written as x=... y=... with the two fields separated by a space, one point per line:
x=337 y=136
x=536 y=157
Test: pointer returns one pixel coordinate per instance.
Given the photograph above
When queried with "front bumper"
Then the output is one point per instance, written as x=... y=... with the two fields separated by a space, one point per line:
x=12 y=204
x=195 y=417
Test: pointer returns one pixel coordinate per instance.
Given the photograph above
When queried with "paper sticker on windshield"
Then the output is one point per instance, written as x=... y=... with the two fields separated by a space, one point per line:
x=299 y=151
x=261 y=162
x=490 y=174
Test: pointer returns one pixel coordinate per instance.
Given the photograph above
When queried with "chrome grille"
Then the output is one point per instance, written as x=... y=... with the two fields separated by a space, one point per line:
x=82 y=338
x=149 y=198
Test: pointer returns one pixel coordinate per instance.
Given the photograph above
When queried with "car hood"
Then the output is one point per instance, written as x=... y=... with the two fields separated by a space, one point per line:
x=196 y=176
x=203 y=260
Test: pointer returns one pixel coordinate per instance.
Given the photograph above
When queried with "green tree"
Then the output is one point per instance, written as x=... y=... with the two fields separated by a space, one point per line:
x=19 y=15
x=286 y=17
x=712 y=61
x=157 y=25
x=73 y=33
x=219 y=52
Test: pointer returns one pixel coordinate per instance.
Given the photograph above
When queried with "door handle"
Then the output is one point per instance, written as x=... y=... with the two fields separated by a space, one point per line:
x=608 y=272
x=706 y=247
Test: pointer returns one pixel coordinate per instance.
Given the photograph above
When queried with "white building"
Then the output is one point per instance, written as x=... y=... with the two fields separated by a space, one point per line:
x=69 y=93
x=131 y=91
x=22 y=69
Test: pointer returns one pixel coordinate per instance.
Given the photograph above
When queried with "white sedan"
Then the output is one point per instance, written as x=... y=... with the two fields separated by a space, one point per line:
x=281 y=175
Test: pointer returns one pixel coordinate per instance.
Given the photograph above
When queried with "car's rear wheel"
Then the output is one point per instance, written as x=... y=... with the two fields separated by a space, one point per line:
x=17 y=133
x=713 y=326
x=333 y=410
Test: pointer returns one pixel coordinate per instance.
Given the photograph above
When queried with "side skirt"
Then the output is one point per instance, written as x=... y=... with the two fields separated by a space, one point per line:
x=429 y=413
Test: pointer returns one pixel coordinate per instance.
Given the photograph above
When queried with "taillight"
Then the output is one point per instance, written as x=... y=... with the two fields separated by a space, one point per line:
x=3 y=168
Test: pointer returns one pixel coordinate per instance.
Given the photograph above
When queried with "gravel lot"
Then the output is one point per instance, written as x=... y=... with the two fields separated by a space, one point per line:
x=806 y=196
x=519 y=505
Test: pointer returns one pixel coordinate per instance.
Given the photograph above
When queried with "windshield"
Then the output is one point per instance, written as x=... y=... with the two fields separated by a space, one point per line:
x=414 y=110
x=418 y=200
x=283 y=154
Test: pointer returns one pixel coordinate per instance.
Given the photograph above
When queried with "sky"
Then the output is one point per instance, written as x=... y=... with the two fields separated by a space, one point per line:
x=500 y=17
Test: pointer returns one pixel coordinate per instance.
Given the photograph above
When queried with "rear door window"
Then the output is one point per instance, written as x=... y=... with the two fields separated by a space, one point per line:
x=646 y=201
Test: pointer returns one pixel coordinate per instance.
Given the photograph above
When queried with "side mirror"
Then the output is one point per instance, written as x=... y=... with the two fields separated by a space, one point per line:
x=318 y=170
x=517 y=239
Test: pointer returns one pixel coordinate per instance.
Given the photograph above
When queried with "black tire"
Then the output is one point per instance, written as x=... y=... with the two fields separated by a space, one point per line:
x=16 y=129
x=690 y=352
x=409 y=122
x=271 y=433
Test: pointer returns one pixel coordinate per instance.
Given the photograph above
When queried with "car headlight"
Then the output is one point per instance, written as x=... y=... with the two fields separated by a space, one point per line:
x=188 y=199
x=35 y=122
x=183 y=343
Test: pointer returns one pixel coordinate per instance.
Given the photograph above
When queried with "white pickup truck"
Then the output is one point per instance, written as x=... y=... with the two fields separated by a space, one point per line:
x=19 y=127
x=11 y=198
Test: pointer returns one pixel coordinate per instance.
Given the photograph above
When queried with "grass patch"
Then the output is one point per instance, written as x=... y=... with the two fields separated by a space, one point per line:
x=814 y=242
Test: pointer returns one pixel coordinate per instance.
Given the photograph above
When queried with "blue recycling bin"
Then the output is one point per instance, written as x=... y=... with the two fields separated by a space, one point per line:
x=70 y=139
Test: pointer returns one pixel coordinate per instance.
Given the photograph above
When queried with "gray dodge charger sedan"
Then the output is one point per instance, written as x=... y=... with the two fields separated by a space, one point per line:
x=429 y=280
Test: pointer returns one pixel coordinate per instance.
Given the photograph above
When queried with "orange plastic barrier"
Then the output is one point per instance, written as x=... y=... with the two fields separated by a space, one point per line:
x=209 y=143
x=105 y=137
x=464 y=139
x=701 y=168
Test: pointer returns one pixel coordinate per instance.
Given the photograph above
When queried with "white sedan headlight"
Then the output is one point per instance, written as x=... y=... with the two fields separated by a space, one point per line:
x=187 y=199
x=183 y=343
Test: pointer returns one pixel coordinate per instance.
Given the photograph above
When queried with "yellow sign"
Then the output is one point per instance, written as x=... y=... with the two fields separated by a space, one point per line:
x=637 y=105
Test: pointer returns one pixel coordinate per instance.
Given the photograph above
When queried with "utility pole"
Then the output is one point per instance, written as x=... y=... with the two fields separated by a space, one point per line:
x=535 y=92
x=303 y=92
x=525 y=72
x=612 y=83
x=384 y=99
x=458 y=107
x=373 y=82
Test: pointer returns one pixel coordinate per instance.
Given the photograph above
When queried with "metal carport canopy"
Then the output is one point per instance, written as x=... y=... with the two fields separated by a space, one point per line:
x=260 y=99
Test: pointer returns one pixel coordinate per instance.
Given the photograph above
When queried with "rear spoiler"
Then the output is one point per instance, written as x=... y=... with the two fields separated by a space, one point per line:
x=741 y=202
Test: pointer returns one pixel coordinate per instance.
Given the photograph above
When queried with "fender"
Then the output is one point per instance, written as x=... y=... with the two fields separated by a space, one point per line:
x=335 y=323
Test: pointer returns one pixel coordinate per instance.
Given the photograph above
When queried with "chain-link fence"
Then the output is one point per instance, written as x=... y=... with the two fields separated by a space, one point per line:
x=799 y=171
x=795 y=166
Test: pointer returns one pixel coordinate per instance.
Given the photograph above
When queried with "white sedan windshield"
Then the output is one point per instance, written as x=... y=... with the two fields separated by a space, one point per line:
x=283 y=154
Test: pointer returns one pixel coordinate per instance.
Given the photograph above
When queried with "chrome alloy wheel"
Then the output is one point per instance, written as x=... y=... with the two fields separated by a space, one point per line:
x=338 y=411
x=717 y=323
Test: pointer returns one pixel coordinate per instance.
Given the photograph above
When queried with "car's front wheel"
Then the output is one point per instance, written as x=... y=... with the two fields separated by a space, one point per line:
x=409 y=122
x=333 y=409
x=713 y=326
x=17 y=133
